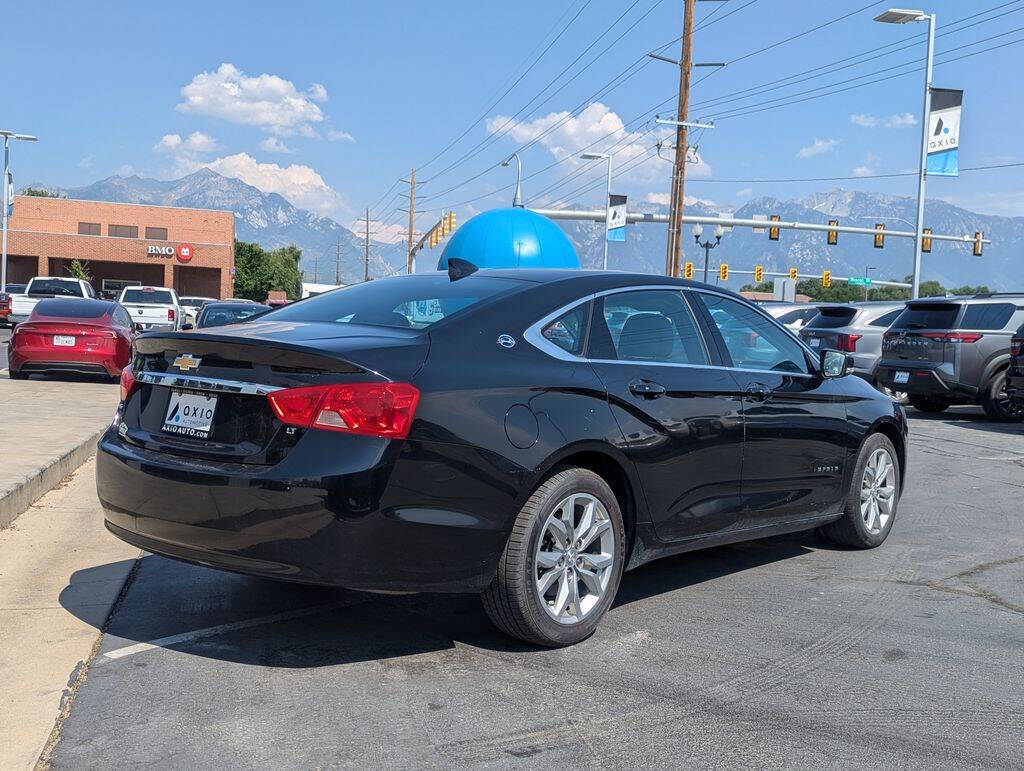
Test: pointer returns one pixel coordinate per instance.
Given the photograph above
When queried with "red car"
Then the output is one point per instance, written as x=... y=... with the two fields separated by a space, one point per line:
x=92 y=337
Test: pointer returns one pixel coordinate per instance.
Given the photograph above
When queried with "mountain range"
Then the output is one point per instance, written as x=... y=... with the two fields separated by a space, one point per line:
x=272 y=221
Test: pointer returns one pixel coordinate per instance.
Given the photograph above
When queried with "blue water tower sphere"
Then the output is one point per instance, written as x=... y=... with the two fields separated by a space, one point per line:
x=511 y=238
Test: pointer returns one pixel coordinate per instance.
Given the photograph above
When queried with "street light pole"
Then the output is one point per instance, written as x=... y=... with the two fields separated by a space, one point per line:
x=866 y=269
x=607 y=197
x=8 y=199
x=517 y=199
x=901 y=16
x=708 y=245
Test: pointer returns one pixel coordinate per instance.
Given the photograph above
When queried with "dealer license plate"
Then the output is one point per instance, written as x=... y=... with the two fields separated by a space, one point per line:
x=65 y=340
x=190 y=414
x=901 y=377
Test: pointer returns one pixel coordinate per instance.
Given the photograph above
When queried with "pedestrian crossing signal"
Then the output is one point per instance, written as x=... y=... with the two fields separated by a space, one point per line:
x=826 y=278
x=792 y=274
x=758 y=274
x=833 y=235
x=723 y=272
x=687 y=270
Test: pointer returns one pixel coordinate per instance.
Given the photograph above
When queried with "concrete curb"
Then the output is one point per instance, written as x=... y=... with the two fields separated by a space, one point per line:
x=24 y=493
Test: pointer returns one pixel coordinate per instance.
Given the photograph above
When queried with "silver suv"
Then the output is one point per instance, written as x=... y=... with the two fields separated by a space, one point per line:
x=954 y=350
x=856 y=329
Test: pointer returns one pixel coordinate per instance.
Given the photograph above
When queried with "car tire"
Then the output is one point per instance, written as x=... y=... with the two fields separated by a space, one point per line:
x=549 y=590
x=872 y=500
x=930 y=404
x=997 y=404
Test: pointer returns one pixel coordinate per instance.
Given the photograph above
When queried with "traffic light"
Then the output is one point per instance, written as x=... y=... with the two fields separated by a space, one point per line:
x=443 y=224
x=723 y=271
x=926 y=240
x=433 y=238
x=833 y=235
x=687 y=270
x=451 y=221
x=758 y=274
x=977 y=243
x=879 y=236
x=826 y=278
x=773 y=233
x=793 y=273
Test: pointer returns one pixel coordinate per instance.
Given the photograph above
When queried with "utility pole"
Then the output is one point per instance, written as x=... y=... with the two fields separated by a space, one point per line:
x=675 y=226
x=337 y=262
x=316 y=268
x=366 y=257
x=412 y=215
x=8 y=197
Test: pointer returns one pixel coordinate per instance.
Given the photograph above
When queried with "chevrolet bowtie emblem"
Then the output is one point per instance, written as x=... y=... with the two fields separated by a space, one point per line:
x=186 y=361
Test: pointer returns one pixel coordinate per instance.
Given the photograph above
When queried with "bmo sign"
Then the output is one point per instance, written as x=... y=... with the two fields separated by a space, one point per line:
x=183 y=252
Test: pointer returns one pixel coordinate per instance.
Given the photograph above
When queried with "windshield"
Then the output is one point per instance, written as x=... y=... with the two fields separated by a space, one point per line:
x=927 y=316
x=409 y=302
x=55 y=286
x=219 y=315
x=143 y=296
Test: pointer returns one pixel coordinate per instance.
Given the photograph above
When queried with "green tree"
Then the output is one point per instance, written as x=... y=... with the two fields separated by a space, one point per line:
x=968 y=289
x=39 y=192
x=80 y=270
x=258 y=271
x=284 y=264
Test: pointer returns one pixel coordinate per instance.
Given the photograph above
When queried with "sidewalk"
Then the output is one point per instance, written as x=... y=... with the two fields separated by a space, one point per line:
x=49 y=428
x=60 y=574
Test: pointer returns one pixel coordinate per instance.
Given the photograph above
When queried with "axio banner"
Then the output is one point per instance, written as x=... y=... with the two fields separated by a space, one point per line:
x=944 y=132
x=616 y=223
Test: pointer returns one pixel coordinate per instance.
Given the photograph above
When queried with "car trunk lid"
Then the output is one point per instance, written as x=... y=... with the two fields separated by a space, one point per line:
x=828 y=328
x=921 y=334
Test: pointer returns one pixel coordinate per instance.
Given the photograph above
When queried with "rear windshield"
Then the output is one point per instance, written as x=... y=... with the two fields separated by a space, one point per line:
x=72 y=309
x=831 y=318
x=219 y=315
x=142 y=296
x=928 y=316
x=987 y=315
x=409 y=302
x=55 y=286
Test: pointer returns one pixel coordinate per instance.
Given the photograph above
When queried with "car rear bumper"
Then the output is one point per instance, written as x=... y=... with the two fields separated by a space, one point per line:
x=383 y=527
x=924 y=380
x=41 y=361
x=1015 y=384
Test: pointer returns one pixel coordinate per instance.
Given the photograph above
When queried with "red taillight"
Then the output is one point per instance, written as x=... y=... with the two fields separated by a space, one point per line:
x=170 y=314
x=128 y=383
x=374 y=409
x=848 y=343
x=1017 y=346
x=954 y=337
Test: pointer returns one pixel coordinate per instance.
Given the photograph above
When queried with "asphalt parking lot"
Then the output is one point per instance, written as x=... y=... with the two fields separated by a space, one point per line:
x=776 y=652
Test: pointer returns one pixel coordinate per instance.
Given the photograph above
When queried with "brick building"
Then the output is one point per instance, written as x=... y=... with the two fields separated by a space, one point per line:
x=121 y=244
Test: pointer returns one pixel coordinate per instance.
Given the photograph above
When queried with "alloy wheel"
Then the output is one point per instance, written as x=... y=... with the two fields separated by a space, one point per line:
x=878 y=491
x=574 y=558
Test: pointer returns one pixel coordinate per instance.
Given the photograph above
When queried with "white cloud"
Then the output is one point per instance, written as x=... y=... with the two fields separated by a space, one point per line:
x=87 y=162
x=334 y=135
x=597 y=128
x=745 y=192
x=268 y=102
x=660 y=198
x=379 y=231
x=899 y=120
x=1009 y=204
x=817 y=147
x=196 y=142
x=862 y=171
x=125 y=170
x=300 y=185
x=275 y=145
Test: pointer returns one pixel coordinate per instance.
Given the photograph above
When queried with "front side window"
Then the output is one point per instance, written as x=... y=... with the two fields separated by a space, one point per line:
x=569 y=330
x=752 y=341
x=652 y=325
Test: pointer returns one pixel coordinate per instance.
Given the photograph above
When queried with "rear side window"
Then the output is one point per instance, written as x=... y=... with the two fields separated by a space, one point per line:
x=800 y=314
x=649 y=325
x=928 y=316
x=832 y=318
x=987 y=315
x=569 y=330
x=886 y=319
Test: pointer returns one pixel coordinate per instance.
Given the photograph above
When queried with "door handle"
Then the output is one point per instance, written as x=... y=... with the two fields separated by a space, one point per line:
x=648 y=389
x=758 y=392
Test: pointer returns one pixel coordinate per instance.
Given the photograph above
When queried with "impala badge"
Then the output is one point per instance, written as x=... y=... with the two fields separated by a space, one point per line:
x=186 y=361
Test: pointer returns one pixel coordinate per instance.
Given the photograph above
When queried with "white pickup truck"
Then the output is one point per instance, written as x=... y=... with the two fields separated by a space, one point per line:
x=152 y=307
x=43 y=287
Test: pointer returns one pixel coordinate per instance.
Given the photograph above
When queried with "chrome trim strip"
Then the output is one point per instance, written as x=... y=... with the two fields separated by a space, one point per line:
x=532 y=334
x=214 y=384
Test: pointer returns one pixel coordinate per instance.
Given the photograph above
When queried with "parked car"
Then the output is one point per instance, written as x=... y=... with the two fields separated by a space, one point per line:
x=191 y=306
x=152 y=307
x=855 y=329
x=5 y=303
x=955 y=350
x=219 y=314
x=792 y=315
x=512 y=444
x=1015 y=371
x=42 y=287
x=85 y=336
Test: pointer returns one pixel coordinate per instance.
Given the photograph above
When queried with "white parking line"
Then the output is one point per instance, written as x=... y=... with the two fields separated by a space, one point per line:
x=210 y=631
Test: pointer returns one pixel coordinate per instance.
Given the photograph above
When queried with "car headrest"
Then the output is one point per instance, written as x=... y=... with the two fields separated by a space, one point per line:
x=646 y=337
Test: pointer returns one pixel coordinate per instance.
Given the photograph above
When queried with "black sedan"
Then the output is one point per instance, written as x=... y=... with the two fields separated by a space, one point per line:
x=220 y=314
x=528 y=435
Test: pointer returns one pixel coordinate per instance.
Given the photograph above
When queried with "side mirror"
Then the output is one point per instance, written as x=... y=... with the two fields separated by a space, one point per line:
x=834 y=363
x=186 y=327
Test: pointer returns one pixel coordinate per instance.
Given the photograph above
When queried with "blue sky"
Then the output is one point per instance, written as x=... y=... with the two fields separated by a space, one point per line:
x=330 y=103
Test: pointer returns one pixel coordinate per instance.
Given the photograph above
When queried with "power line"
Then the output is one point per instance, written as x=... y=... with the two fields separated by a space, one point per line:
x=859 y=176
